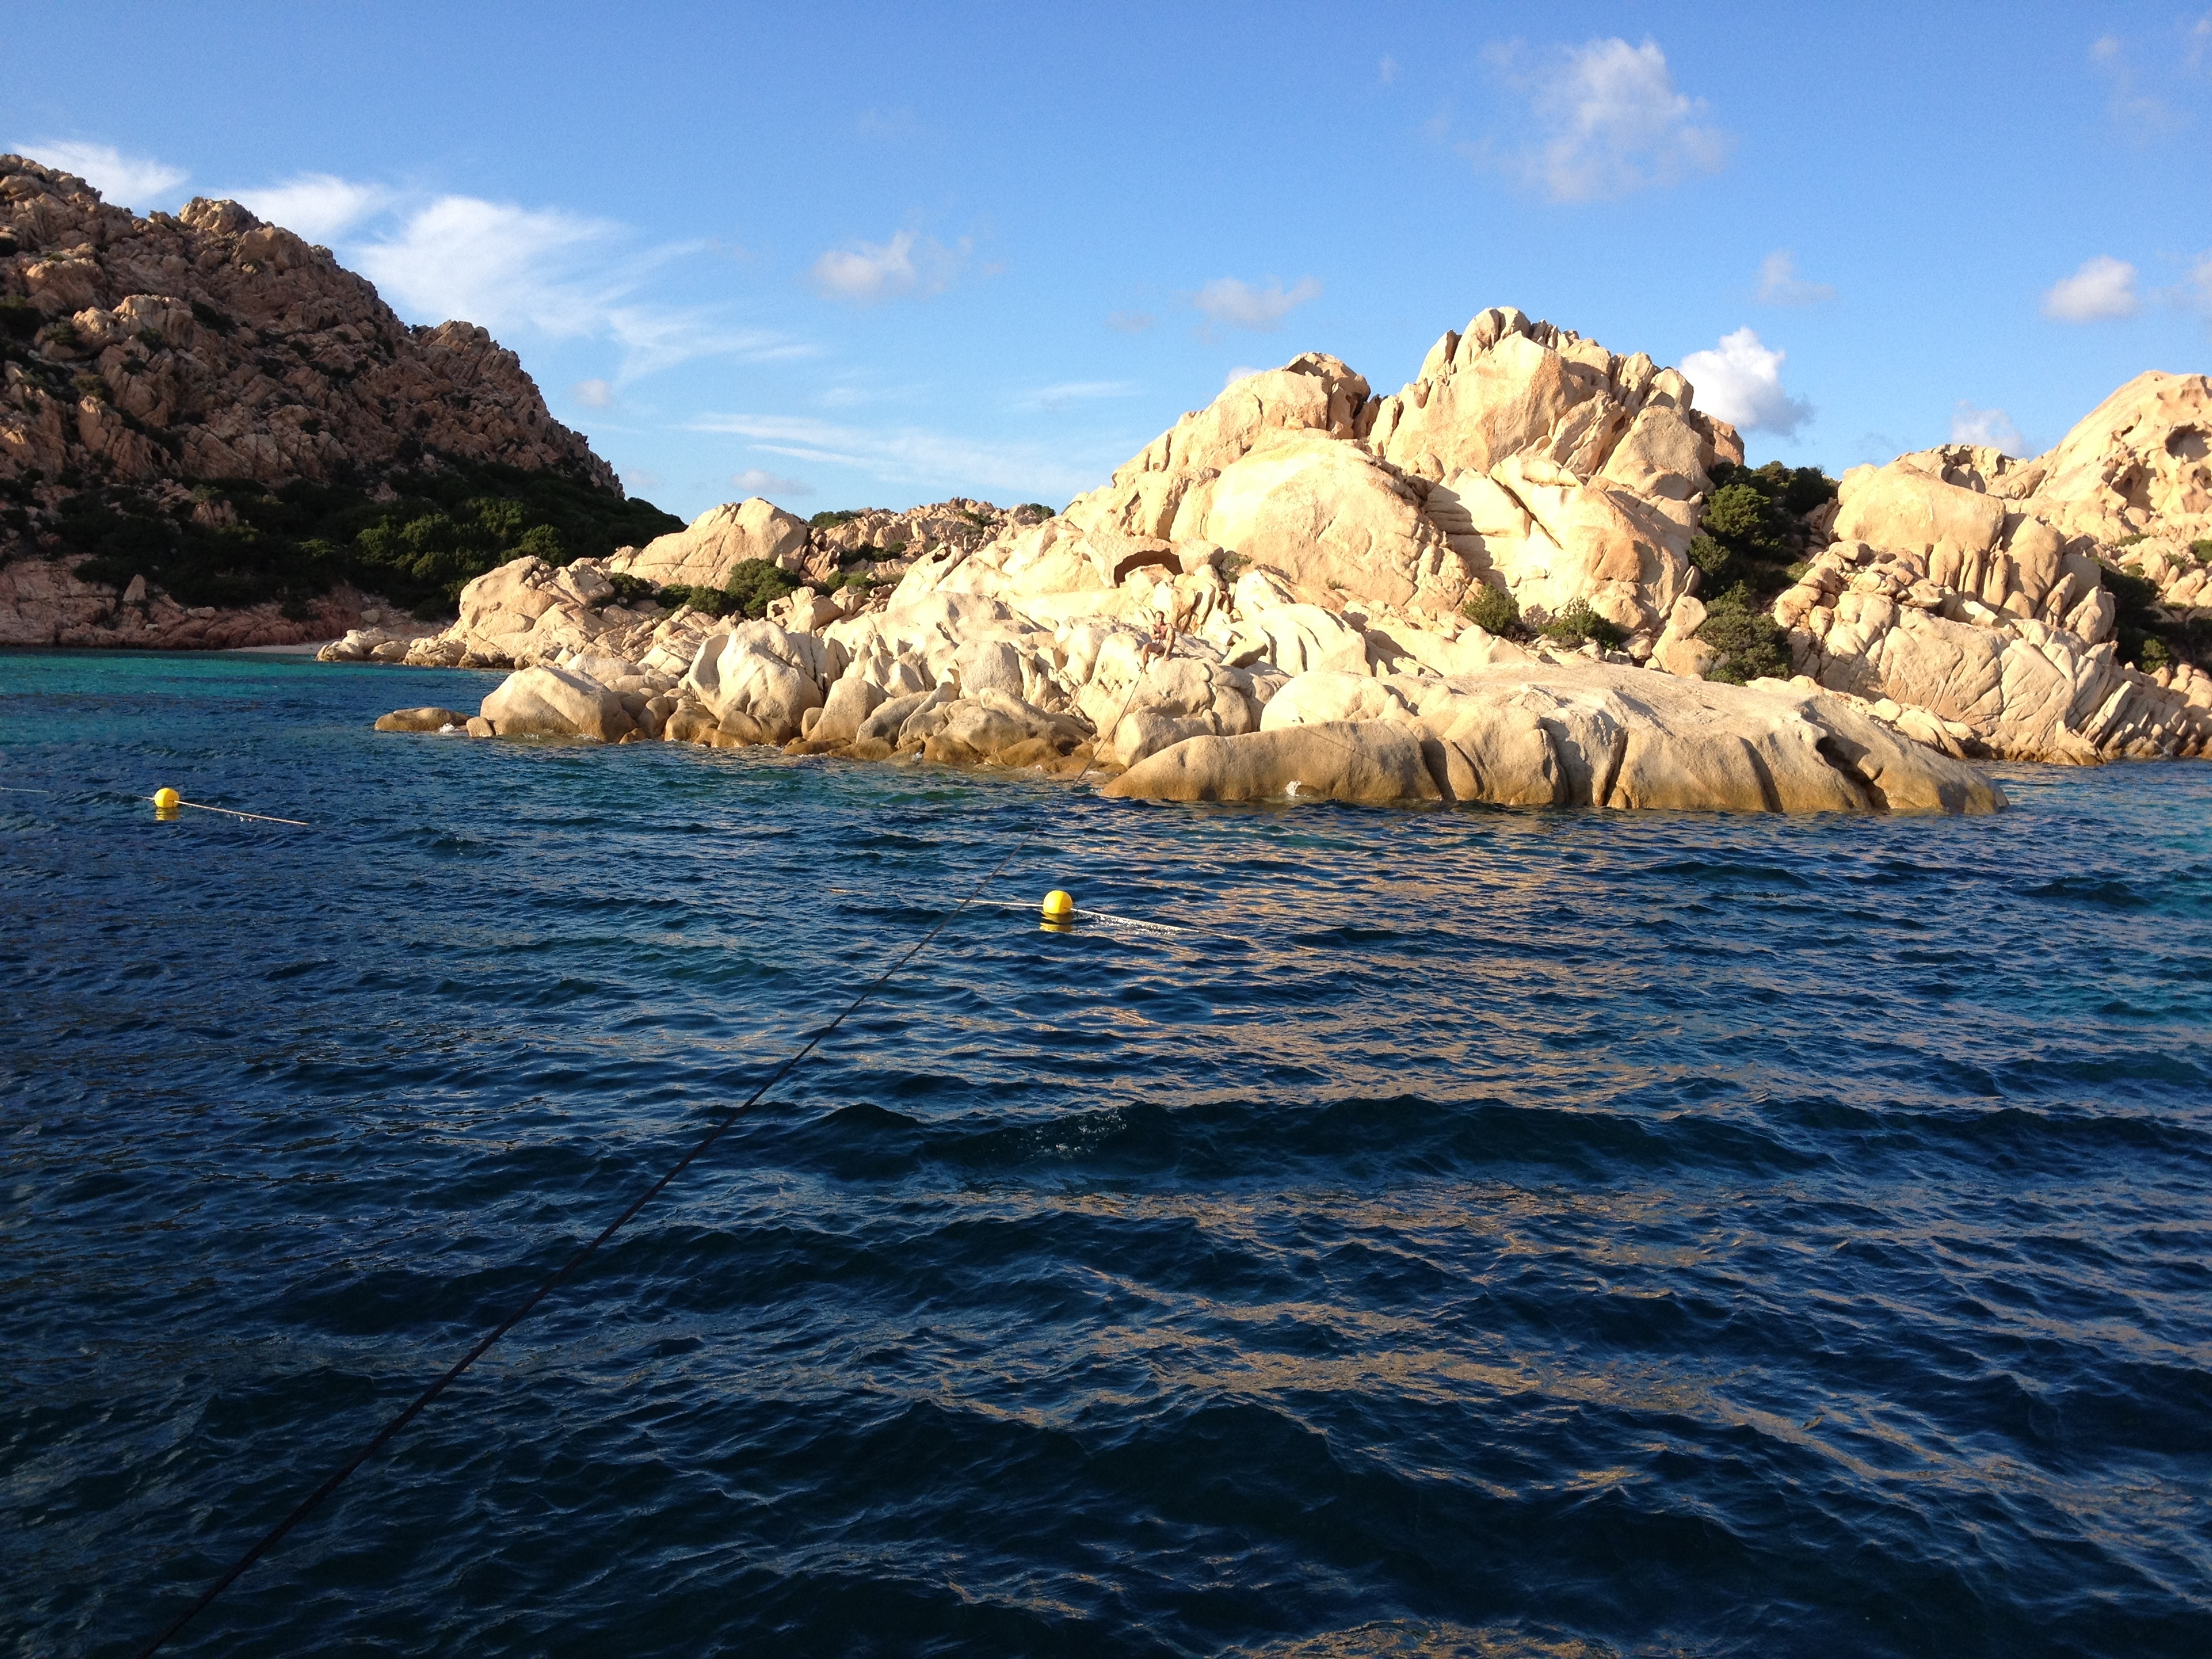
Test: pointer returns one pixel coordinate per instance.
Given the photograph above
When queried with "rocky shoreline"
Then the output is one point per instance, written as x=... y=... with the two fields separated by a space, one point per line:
x=1320 y=557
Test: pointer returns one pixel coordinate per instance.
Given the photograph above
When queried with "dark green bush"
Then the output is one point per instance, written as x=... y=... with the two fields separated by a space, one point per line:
x=90 y=385
x=830 y=520
x=1756 y=646
x=848 y=579
x=207 y=317
x=61 y=336
x=1753 y=529
x=2202 y=550
x=629 y=590
x=19 y=318
x=445 y=529
x=1576 y=622
x=1038 y=507
x=1492 y=609
x=754 y=584
x=711 y=601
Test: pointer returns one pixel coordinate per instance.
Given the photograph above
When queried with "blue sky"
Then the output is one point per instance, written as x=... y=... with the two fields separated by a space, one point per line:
x=856 y=255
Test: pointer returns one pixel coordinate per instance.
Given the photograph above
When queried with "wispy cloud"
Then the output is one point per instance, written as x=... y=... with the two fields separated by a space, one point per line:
x=1779 y=285
x=1609 y=118
x=552 y=271
x=2196 y=292
x=756 y=481
x=1741 y=381
x=1130 y=322
x=2104 y=288
x=1074 y=392
x=131 y=181
x=593 y=394
x=914 y=454
x=315 y=205
x=1386 y=71
x=1237 y=304
x=2140 y=115
x=866 y=273
x=1242 y=372
x=1991 y=427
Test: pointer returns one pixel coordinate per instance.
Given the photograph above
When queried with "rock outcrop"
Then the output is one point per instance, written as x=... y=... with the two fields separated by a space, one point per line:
x=1976 y=591
x=141 y=354
x=1308 y=550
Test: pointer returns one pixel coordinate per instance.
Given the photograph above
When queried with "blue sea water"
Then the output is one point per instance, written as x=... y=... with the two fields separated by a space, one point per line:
x=1486 y=1232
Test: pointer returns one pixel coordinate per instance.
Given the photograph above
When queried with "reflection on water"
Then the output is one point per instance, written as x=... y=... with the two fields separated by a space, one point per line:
x=1488 y=1233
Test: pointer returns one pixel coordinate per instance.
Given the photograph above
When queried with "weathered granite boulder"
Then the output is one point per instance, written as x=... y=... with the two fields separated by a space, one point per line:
x=421 y=720
x=1367 y=761
x=556 y=703
x=704 y=552
x=1595 y=735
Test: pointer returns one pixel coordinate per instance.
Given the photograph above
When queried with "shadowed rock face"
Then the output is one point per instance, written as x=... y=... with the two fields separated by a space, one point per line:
x=209 y=344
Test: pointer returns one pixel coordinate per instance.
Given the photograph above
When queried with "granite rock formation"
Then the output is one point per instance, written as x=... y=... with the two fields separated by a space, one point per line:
x=143 y=353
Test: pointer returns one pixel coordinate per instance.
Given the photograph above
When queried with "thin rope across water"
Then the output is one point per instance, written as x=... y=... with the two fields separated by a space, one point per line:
x=422 y=1401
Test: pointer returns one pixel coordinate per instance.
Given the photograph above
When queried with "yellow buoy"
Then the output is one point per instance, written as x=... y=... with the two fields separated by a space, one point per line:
x=1057 y=911
x=165 y=801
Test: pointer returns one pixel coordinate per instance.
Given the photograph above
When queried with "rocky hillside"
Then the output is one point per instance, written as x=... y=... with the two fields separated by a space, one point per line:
x=209 y=404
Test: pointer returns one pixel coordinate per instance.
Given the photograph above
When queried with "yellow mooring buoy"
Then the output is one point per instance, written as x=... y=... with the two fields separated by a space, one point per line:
x=165 y=801
x=1058 y=912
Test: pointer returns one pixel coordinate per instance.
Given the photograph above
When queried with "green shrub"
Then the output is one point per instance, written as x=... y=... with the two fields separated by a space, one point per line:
x=2202 y=550
x=443 y=530
x=1756 y=646
x=1752 y=528
x=832 y=519
x=1492 y=609
x=207 y=317
x=629 y=590
x=153 y=339
x=848 y=579
x=19 y=318
x=90 y=385
x=709 y=601
x=1038 y=507
x=754 y=584
x=2131 y=539
x=1576 y=622
x=62 y=334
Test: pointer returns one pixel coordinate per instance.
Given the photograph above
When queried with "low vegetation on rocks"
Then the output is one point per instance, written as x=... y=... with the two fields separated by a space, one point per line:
x=232 y=542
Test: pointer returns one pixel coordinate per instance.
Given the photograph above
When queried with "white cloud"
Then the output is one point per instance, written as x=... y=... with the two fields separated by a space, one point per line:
x=1242 y=372
x=1611 y=122
x=1990 y=426
x=1130 y=322
x=594 y=394
x=1387 y=71
x=915 y=455
x=131 y=181
x=1779 y=285
x=315 y=205
x=1074 y=392
x=1742 y=382
x=867 y=272
x=755 y=481
x=1240 y=305
x=2103 y=287
x=511 y=268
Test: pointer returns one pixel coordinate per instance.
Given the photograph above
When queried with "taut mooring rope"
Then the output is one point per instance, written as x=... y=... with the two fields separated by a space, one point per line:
x=483 y=1344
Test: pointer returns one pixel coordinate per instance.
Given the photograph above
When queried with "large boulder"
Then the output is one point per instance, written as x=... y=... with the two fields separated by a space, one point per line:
x=704 y=552
x=1898 y=506
x=554 y=702
x=1369 y=762
x=759 y=681
x=1593 y=734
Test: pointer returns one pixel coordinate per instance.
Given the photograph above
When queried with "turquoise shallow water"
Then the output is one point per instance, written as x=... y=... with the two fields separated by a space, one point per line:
x=1493 y=1232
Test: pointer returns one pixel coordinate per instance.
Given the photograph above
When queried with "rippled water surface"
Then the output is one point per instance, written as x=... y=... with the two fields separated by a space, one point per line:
x=1486 y=1233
